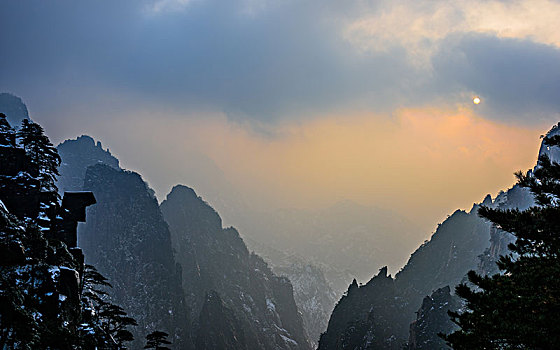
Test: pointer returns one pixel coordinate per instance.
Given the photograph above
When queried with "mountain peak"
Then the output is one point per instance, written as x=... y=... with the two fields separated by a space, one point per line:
x=77 y=155
x=383 y=271
x=194 y=208
x=14 y=108
x=85 y=139
x=183 y=191
x=487 y=200
x=554 y=152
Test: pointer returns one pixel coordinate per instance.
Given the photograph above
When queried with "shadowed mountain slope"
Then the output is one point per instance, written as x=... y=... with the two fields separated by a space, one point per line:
x=128 y=240
x=216 y=262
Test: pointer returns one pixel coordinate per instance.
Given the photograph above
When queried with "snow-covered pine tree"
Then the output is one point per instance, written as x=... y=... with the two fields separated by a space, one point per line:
x=38 y=307
x=7 y=132
x=42 y=153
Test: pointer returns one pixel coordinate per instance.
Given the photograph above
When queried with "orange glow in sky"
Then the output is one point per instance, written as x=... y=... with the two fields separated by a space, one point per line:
x=421 y=162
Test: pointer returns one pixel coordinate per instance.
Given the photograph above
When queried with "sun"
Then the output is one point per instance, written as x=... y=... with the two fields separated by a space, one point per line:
x=476 y=100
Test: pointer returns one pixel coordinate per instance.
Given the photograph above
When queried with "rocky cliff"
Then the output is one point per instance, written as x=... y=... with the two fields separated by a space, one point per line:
x=129 y=242
x=77 y=155
x=217 y=265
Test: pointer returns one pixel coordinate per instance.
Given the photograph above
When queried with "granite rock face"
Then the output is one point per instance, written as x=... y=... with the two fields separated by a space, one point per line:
x=217 y=264
x=432 y=318
x=312 y=293
x=77 y=155
x=365 y=317
x=129 y=242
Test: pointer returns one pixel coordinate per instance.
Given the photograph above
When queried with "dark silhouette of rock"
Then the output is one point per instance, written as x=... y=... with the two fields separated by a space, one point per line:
x=431 y=319
x=219 y=329
x=365 y=316
x=444 y=260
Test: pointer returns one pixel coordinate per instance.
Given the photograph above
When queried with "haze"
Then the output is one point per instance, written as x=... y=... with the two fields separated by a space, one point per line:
x=263 y=105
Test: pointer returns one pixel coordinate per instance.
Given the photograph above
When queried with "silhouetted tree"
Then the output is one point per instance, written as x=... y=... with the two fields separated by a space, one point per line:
x=7 y=133
x=35 y=313
x=42 y=153
x=519 y=308
x=156 y=340
x=110 y=321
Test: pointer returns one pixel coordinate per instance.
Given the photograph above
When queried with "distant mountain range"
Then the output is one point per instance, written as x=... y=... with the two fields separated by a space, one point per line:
x=346 y=236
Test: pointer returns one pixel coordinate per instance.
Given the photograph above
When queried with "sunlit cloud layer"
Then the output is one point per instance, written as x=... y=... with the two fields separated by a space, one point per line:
x=420 y=26
x=431 y=159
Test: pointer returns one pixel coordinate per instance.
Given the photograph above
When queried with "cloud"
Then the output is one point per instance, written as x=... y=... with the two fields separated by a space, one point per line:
x=422 y=25
x=159 y=6
x=277 y=63
x=298 y=102
x=423 y=163
x=517 y=79
x=268 y=61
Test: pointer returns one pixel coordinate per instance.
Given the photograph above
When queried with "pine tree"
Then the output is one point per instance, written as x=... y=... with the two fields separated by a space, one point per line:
x=156 y=340
x=109 y=322
x=519 y=307
x=37 y=310
x=7 y=133
x=42 y=153
x=17 y=322
x=31 y=314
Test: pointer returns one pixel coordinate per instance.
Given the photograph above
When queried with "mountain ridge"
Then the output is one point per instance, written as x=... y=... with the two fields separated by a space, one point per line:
x=460 y=243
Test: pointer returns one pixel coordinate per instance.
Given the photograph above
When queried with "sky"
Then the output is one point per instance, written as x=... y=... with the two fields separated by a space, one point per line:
x=297 y=103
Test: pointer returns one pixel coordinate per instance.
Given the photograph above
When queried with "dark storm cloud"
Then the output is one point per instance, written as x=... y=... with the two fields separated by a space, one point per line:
x=282 y=61
x=288 y=59
x=517 y=79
